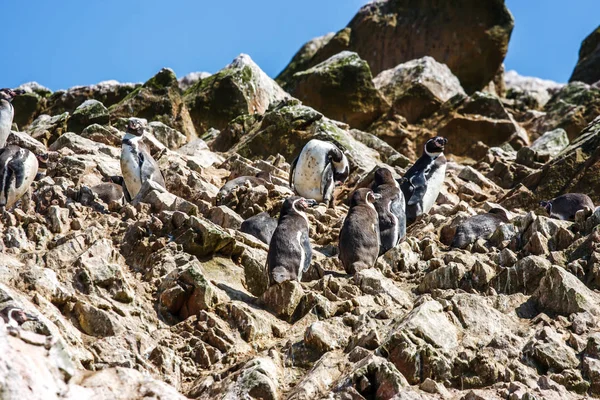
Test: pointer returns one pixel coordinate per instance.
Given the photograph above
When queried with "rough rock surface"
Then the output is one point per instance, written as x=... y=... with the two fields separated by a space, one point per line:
x=587 y=69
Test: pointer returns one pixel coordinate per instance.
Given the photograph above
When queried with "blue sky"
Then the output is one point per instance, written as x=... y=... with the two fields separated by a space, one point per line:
x=73 y=42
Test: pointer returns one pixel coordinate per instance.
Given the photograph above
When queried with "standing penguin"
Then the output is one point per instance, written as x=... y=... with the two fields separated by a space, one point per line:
x=316 y=170
x=18 y=168
x=566 y=206
x=289 y=251
x=7 y=113
x=137 y=165
x=423 y=181
x=390 y=209
x=359 y=237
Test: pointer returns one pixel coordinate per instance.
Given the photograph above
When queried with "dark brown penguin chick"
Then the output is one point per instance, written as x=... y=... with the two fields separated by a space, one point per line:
x=359 y=237
x=479 y=226
x=566 y=206
x=290 y=253
x=390 y=210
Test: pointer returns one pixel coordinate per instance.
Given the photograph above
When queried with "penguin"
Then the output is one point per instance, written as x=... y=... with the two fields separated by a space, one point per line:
x=316 y=170
x=566 y=206
x=390 y=210
x=290 y=253
x=261 y=226
x=106 y=191
x=479 y=226
x=137 y=165
x=18 y=169
x=15 y=316
x=359 y=237
x=261 y=178
x=423 y=181
x=7 y=112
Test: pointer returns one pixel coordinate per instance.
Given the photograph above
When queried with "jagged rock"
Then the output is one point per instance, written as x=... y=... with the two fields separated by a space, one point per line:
x=191 y=79
x=384 y=34
x=372 y=375
x=103 y=134
x=283 y=299
x=81 y=145
x=551 y=143
x=302 y=58
x=340 y=87
x=88 y=113
x=96 y=322
x=225 y=217
x=416 y=89
x=159 y=99
x=326 y=336
x=371 y=281
x=445 y=277
x=549 y=351
x=169 y=137
x=238 y=89
x=28 y=106
x=524 y=276
x=161 y=200
x=588 y=65
x=534 y=92
x=25 y=141
x=47 y=129
x=562 y=293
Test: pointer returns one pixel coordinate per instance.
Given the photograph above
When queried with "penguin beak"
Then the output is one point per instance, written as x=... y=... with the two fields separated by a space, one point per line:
x=312 y=203
x=376 y=196
x=31 y=317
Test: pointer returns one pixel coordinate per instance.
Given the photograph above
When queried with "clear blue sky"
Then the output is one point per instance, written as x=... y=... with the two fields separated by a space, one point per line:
x=76 y=42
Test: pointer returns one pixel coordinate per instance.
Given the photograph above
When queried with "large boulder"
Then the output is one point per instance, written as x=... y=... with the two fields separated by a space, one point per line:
x=588 y=66
x=340 y=87
x=302 y=58
x=238 y=89
x=468 y=36
x=88 y=113
x=159 y=99
x=417 y=88
x=534 y=92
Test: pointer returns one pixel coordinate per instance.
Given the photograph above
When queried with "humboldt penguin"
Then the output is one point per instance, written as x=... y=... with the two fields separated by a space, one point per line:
x=566 y=206
x=18 y=169
x=7 y=113
x=260 y=179
x=424 y=180
x=359 y=237
x=480 y=226
x=137 y=165
x=289 y=251
x=390 y=210
x=261 y=226
x=317 y=169
x=15 y=316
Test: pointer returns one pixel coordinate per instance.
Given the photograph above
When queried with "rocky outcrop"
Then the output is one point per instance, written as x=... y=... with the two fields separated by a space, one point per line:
x=388 y=33
x=533 y=92
x=340 y=87
x=587 y=69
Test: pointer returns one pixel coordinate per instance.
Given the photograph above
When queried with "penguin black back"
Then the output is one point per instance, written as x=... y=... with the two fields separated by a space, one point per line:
x=566 y=206
x=477 y=227
x=261 y=226
x=359 y=236
x=390 y=210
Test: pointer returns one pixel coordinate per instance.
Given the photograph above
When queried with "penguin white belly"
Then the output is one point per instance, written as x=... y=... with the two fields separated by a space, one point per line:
x=6 y=118
x=434 y=185
x=308 y=173
x=131 y=171
x=30 y=169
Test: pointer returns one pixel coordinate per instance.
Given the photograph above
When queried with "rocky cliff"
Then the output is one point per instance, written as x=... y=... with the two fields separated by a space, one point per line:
x=164 y=297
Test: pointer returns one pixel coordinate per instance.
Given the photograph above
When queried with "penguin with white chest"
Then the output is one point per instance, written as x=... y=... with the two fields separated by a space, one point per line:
x=290 y=253
x=316 y=170
x=359 y=236
x=7 y=113
x=18 y=168
x=390 y=210
x=137 y=164
x=424 y=180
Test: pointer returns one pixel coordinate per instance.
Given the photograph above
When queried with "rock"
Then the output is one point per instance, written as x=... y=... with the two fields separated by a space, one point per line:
x=371 y=281
x=238 y=89
x=523 y=277
x=588 y=65
x=103 y=134
x=88 y=113
x=563 y=293
x=47 y=129
x=372 y=375
x=417 y=88
x=340 y=87
x=159 y=99
x=283 y=299
x=225 y=217
x=27 y=107
x=384 y=34
x=574 y=171
x=96 y=322
x=445 y=277
x=537 y=91
x=302 y=58
x=470 y=174
x=550 y=351
x=25 y=141
x=591 y=370
x=326 y=336
x=191 y=79
x=169 y=137
x=551 y=143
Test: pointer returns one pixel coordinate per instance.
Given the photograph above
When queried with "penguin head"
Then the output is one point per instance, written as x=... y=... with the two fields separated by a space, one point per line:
x=10 y=94
x=547 y=205
x=136 y=126
x=383 y=176
x=435 y=146
x=296 y=205
x=341 y=170
x=14 y=315
x=364 y=196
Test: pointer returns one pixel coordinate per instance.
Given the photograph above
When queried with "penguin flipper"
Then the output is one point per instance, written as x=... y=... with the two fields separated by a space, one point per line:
x=327 y=183
x=292 y=170
x=419 y=184
x=16 y=166
x=307 y=251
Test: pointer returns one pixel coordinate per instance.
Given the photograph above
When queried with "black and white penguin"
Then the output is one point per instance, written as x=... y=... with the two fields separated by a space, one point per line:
x=480 y=226
x=15 y=316
x=290 y=253
x=423 y=181
x=566 y=206
x=261 y=226
x=316 y=170
x=18 y=169
x=7 y=113
x=137 y=165
x=359 y=237
x=390 y=209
